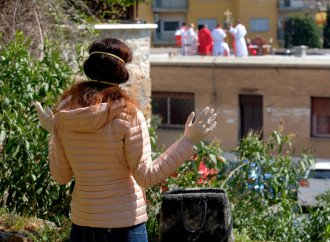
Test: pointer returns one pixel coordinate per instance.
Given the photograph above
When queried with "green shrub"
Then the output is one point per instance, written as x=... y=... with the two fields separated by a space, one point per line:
x=25 y=181
x=317 y=222
x=305 y=32
x=270 y=194
x=264 y=205
x=326 y=29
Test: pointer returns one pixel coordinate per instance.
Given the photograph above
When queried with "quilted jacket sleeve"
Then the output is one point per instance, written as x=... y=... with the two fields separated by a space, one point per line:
x=138 y=154
x=58 y=162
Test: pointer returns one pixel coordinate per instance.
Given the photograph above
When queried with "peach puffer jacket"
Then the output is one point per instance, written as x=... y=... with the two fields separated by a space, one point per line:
x=111 y=164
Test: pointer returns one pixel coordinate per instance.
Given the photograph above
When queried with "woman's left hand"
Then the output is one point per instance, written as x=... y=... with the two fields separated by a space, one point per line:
x=46 y=118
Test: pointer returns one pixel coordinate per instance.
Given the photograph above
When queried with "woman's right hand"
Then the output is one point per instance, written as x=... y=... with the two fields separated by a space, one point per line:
x=203 y=125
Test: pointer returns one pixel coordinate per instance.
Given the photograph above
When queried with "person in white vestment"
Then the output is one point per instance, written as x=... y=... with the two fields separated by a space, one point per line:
x=218 y=34
x=239 y=32
x=181 y=32
x=225 y=49
x=190 y=34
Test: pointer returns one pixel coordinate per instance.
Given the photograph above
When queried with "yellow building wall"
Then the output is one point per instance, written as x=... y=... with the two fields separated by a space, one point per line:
x=240 y=9
x=145 y=12
x=259 y=9
x=208 y=9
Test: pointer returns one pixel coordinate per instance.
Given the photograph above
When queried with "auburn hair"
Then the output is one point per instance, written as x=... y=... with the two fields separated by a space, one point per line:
x=105 y=68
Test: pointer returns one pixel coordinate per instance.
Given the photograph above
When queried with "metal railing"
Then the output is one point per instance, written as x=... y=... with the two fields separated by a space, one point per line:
x=171 y=4
x=164 y=38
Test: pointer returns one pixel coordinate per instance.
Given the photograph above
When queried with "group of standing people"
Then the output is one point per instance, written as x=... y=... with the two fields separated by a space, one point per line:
x=206 y=42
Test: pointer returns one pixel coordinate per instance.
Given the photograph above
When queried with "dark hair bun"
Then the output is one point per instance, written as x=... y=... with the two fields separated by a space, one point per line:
x=107 y=68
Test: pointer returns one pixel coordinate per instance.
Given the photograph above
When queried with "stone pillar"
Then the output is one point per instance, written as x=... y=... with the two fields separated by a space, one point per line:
x=138 y=38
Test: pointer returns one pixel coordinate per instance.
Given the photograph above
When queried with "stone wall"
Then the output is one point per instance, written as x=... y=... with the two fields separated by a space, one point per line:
x=286 y=84
x=138 y=38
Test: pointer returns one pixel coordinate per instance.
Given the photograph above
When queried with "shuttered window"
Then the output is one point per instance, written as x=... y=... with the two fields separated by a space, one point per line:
x=320 y=114
x=259 y=25
x=173 y=107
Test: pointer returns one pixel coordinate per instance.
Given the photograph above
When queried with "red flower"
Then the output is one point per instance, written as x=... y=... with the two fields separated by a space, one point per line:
x=202 y=168
x=200 y=181
x=175 y=175
x=163 y=187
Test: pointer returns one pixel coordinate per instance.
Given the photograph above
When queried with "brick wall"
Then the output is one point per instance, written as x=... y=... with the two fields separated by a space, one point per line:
x=286 y=88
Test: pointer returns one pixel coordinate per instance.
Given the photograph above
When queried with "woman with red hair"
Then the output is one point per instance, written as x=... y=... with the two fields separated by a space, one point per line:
x=99 y=136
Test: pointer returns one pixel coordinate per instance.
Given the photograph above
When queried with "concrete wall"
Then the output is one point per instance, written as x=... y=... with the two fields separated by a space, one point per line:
x=286 y=84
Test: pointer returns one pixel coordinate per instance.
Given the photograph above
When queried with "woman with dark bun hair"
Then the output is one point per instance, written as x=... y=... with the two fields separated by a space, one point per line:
x=99 y=136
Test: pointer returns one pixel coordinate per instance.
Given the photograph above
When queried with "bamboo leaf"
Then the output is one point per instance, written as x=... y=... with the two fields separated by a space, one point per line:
x=3 y=135
x=39 y=191
x=27 y=145
x=33 y=177
x=213 y=159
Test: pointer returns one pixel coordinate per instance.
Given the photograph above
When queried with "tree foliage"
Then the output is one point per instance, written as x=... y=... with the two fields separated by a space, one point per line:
x=305 y=32
x=113 y=10
x=48 y=19
x=326 y=30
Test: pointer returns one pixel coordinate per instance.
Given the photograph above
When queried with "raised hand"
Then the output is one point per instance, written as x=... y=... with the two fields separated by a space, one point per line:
x=203 y=125
x=46 y=118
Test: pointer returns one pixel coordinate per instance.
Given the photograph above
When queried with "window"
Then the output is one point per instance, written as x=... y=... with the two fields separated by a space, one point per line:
x=287 y=3
x=170 y=26
x=259 y=24
x=320 y=117
x=173 y=107
x=211 y=22
x=318 y=173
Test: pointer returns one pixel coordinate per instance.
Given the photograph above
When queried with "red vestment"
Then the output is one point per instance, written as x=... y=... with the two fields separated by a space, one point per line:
x=234 y=47
x=205 y=41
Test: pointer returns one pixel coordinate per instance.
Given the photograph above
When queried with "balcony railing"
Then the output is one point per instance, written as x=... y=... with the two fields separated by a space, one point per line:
x=164 y=38
x=302 y=4
x=179 y=5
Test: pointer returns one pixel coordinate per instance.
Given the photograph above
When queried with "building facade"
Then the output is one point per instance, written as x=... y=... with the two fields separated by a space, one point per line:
x=262 y=18
x=260 y=92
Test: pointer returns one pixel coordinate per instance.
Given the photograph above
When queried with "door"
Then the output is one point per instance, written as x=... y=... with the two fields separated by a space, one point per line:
x=251 y=114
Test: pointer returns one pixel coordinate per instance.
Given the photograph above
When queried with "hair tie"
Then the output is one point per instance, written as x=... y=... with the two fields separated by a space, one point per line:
x=109 y=83
x=106 y=53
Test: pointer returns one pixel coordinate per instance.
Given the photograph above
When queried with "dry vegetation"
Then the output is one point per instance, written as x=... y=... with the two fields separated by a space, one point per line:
x=41 y=19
